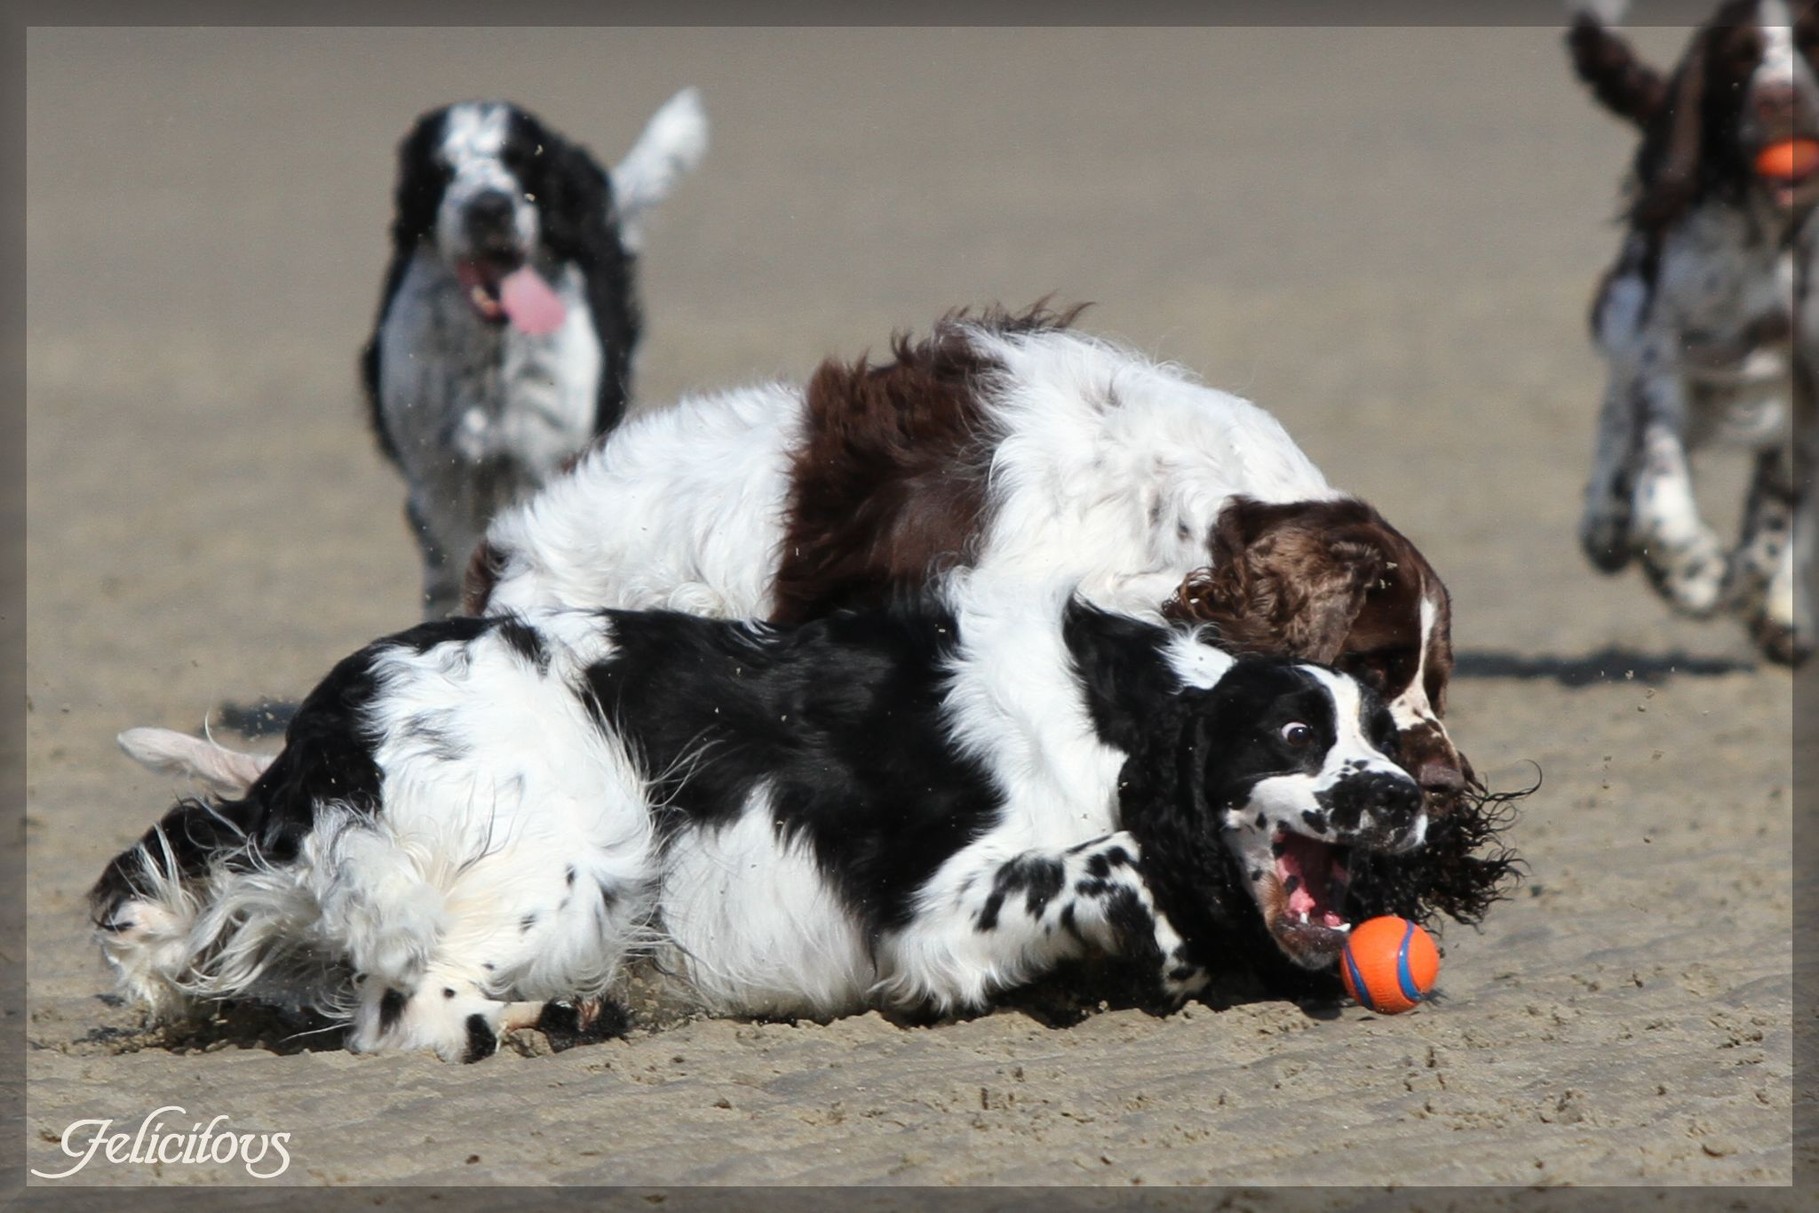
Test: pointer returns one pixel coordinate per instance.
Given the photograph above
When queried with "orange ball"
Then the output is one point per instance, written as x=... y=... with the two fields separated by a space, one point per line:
x=1389 y=964
x=1788 y=160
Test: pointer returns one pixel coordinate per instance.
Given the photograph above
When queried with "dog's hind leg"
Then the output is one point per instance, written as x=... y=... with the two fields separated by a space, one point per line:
x=1006 y=923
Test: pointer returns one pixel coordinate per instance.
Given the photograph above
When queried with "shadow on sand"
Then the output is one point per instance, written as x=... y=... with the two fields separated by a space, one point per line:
x=1609 y=664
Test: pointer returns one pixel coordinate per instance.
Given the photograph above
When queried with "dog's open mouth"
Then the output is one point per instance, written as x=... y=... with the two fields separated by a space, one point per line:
x=482 y=279
x=502 y=288
x=1301 y=895
x=1789 y=168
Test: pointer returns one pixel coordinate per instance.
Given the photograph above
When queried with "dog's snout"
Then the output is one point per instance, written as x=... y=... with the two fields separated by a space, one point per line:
x=489 y=212
x=1440 y=777
x=1381 y=808
x=1774 y=103
x=1390 y=799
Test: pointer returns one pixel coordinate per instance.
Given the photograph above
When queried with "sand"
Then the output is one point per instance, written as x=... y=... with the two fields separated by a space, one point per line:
x=1388 y=237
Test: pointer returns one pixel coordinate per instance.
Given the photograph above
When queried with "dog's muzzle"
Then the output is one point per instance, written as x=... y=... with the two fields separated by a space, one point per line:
x=1380 y=810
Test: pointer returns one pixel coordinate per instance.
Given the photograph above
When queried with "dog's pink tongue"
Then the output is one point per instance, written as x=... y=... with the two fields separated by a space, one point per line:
x=529 y=302
x=1310 y=864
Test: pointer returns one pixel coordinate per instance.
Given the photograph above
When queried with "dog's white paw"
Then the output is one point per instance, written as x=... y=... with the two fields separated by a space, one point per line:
x=1690 y=571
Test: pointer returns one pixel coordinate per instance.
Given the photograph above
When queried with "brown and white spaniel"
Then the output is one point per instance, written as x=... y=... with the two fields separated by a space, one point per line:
x=1704 y=320
x=1014 y=447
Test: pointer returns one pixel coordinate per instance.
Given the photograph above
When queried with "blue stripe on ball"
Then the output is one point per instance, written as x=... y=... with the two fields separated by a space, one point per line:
x=1364 y=991
x=1404 y=977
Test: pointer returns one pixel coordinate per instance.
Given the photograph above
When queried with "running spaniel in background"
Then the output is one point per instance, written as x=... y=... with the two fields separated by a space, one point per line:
x=1015 y=446
x=1704 y=318
x=475 y=823
x=508 y=319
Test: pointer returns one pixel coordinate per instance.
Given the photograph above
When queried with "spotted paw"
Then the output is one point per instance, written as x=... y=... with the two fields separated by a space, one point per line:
x=1690 y=574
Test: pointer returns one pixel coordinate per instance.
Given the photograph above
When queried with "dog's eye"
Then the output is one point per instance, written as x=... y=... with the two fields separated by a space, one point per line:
x=1297 y=734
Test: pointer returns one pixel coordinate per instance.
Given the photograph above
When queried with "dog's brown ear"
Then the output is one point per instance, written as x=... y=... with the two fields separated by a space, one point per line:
x=1623 y=83
x=1225 y=595
x=1668 y=171
x=1286 y=579
x=484 y=568
x=1331 y=593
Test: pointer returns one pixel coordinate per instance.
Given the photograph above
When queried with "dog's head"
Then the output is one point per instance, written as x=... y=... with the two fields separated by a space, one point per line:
x=1749 y=79
x=1284 y=775
x=492 y=190
x=1332 y=583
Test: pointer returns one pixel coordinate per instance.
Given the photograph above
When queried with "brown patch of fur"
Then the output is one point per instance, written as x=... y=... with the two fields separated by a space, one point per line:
x=1294 y=579
x=889 y=486
x=483 y=569
x=1669 y=165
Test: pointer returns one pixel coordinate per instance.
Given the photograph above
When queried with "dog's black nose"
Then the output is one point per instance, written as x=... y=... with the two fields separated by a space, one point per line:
x=489 y=212
x=1391 y=798
x=1442 y=777
x=1380 y=805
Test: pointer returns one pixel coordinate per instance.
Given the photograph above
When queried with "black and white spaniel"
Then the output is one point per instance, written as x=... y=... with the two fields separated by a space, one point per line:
x=474 y=824
x=1016 y=446
x=1704 y=319
x=508 y=319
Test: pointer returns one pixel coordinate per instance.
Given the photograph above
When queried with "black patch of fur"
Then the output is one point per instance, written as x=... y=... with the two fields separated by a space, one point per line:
x=1037 y=877
x=566 y=1024
x=195 y=833
x=526 y=642
x=841 y=718
x=391 y=1009
x=482 y=1041
x=1122 y=670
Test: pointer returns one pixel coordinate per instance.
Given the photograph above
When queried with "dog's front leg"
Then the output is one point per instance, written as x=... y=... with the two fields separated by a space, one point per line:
x=1682 y=556
x=1604 y=523
x=1010 y=921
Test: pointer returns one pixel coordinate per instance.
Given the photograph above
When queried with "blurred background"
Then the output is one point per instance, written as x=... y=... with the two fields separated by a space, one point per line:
x=1386 y=236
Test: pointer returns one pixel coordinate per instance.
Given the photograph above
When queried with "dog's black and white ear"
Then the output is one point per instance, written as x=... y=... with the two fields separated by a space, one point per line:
x=421 y=179
x=673 y=143
x=1621 y=81
x=573 y=197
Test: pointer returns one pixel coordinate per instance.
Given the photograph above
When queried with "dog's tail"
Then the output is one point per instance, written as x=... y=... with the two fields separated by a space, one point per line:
x=673 y=142
x=228 y=773
x=1623 y=83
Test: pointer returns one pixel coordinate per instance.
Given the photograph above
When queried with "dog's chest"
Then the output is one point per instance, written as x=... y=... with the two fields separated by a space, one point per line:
x=1730 y=302
x=453 y=381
